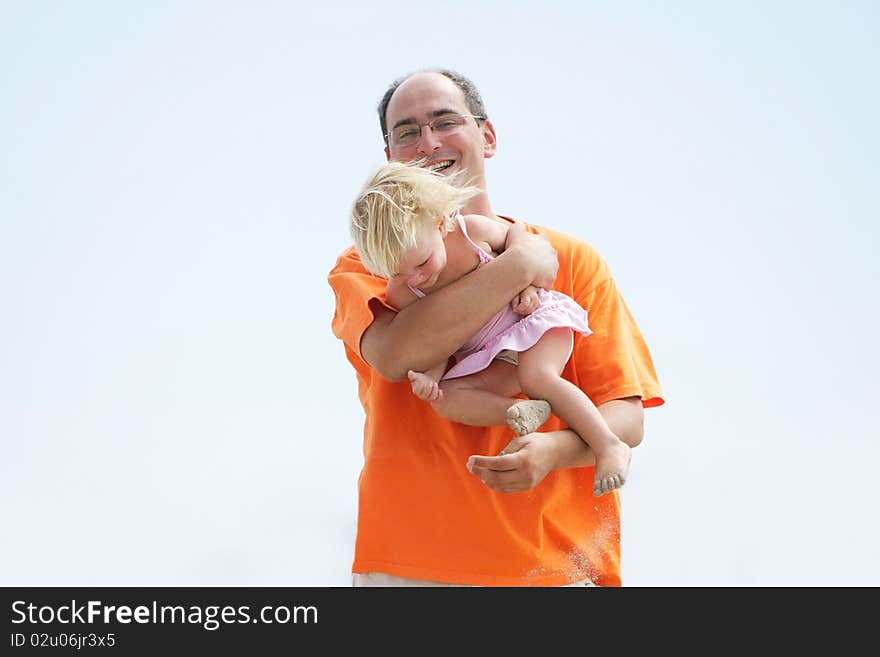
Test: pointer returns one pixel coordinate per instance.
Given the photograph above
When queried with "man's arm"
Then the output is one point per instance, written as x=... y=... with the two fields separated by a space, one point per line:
x=530 y=458
x=430 y=330
x=626 y=419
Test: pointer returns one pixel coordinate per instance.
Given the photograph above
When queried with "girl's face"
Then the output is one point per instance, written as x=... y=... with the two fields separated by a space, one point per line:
x=420 y=265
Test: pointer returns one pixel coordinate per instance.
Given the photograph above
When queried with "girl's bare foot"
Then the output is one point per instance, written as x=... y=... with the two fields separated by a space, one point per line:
x=527 y=415
x=424 y=387
x=612 y=468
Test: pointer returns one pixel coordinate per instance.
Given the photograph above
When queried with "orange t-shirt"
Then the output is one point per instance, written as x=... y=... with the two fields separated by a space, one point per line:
x=422 y=515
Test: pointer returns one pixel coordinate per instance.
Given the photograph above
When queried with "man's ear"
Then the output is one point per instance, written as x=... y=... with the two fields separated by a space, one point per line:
x=489 y=139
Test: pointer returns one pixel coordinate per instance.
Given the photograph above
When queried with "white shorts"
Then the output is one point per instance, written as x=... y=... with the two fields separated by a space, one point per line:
x=382 y=579
x=508 y=356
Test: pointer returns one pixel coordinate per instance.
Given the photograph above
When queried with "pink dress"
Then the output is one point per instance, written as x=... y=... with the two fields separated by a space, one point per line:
x=510 y=332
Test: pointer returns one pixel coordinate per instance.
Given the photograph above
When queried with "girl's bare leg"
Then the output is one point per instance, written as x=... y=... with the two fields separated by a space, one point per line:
x=539 y=376
x=479 y=399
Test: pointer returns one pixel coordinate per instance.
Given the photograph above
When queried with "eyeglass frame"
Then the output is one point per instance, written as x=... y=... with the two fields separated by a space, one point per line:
x=428 y=125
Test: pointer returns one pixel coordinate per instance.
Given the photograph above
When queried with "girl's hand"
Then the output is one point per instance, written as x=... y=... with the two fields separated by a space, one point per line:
x=526 y=302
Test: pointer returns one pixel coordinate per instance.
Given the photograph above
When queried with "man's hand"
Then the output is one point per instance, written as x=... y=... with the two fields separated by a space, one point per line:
x=541 y=256
x=519 y=467
x=526 y=302
x=526 y=460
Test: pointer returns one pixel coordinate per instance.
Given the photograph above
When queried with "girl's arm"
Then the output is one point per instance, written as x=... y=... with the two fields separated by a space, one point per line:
x=484 y=230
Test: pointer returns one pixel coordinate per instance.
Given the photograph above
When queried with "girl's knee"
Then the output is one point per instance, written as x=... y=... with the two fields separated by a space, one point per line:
x=536 y=380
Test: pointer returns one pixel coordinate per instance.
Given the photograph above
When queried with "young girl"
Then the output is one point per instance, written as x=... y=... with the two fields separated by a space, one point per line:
x=407 y=227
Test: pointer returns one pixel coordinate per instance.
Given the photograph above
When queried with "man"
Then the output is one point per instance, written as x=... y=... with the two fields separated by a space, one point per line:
x=441 y=502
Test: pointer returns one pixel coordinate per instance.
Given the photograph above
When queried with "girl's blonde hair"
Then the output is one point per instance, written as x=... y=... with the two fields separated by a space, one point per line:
x=397 y=202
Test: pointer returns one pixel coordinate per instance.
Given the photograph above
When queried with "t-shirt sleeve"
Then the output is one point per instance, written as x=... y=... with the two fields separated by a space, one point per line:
x=613 y=362
x=356 y=290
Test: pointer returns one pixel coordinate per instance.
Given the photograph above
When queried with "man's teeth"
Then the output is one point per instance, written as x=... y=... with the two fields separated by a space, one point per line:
x=437 y=166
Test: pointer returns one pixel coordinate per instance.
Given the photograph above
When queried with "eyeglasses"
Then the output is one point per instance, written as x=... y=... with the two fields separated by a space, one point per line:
x=408 y=134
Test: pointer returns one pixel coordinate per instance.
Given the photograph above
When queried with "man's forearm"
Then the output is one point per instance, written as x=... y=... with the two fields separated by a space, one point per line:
x=625 y=418
x=569 y=450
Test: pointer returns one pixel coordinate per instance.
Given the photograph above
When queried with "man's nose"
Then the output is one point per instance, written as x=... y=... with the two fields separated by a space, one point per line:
x=428 y=143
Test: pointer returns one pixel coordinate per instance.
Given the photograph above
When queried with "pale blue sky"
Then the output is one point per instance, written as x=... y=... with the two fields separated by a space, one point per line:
x=174 y=184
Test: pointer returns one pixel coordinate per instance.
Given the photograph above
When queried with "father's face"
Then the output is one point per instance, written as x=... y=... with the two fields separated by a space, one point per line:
x=425 y=97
